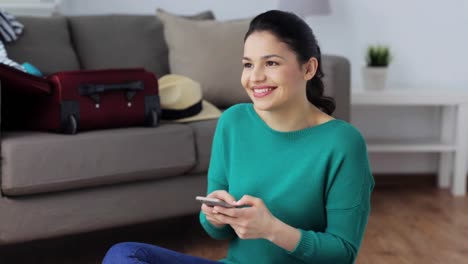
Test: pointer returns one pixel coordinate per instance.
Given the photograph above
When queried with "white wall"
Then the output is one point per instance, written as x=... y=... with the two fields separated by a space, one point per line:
x=429 y=39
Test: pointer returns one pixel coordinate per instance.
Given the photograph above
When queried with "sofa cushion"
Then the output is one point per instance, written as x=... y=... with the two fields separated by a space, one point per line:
x=204 y=132
x=210 y=52
x=45 y=43
x=34 y=162
x=122 y=41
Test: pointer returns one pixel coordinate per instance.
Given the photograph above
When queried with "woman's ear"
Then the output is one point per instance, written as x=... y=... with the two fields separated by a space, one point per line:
x=310 y=68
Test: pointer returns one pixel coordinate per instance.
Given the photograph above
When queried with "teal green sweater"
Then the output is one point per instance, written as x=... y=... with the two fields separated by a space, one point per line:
x=317 y=180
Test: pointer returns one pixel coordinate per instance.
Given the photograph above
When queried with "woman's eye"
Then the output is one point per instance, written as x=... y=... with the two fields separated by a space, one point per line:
x=247 y=65
x=272 y=63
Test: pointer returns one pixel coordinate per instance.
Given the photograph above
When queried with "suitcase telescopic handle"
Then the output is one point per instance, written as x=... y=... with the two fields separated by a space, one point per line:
x=94 y=90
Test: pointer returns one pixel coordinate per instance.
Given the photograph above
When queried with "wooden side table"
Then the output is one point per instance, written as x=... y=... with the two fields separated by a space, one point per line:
x=453 y=142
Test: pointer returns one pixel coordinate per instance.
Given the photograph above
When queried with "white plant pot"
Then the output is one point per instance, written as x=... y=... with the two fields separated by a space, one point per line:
x=374 y=78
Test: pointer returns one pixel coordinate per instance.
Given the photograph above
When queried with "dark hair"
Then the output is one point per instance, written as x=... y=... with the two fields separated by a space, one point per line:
x=292 y=30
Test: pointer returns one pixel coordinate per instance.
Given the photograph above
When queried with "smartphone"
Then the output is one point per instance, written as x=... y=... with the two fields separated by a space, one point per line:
x=213 y=202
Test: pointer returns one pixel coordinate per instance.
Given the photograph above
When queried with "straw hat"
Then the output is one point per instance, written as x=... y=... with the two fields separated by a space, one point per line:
x=182 y=100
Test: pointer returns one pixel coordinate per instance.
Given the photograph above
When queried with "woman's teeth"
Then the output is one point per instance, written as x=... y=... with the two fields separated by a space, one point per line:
x=263 y=90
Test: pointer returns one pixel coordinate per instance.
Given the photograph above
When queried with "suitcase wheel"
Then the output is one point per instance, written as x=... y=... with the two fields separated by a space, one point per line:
x=71 y=126
x=152 y=119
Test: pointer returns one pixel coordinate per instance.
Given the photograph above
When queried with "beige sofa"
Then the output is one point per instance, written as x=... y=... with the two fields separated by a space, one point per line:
x=53 y=185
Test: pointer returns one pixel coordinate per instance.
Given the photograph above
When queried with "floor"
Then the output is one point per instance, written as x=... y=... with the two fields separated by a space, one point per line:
x=409 y=223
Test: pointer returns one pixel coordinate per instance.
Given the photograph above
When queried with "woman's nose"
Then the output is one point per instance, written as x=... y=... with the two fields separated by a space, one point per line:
x=257 y=75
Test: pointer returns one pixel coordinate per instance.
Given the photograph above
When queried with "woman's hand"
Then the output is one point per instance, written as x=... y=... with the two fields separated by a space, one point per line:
x=208 y=210
x=253 y=221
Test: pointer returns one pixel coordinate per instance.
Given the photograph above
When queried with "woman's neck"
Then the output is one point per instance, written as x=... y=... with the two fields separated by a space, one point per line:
x=295 y=117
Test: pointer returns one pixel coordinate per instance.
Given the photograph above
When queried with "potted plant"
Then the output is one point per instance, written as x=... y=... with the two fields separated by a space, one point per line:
x=378 y=58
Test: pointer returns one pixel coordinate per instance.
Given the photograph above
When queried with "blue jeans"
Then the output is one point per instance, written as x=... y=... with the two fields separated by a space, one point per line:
x=139 y=253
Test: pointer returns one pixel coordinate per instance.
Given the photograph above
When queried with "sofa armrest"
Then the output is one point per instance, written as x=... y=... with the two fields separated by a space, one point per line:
x=337 y=81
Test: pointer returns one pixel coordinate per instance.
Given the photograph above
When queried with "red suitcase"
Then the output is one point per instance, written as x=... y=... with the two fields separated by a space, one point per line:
x=21 y=95
x=96 y=99
x=14 y=81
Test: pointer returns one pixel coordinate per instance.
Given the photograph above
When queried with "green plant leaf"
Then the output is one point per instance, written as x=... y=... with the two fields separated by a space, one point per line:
x=378 y=56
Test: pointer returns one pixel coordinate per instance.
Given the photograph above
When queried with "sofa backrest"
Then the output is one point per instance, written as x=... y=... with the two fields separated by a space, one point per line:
x=123 y=41
x=94 y=42
x=120 y=41
x=45 y=43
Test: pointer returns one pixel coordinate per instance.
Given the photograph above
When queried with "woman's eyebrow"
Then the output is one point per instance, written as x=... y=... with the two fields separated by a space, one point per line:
x=265 y=57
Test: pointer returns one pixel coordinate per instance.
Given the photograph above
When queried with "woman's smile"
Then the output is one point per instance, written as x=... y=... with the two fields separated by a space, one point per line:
x=260 y=91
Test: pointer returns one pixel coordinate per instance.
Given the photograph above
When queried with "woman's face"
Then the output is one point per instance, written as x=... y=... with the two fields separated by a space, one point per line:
x=272 y=75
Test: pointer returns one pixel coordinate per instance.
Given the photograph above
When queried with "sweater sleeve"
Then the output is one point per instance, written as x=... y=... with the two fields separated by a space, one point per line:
x=347 y=192
x=217 y=180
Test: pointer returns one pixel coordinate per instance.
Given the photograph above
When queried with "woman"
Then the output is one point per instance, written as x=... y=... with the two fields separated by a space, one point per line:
x=300 y=179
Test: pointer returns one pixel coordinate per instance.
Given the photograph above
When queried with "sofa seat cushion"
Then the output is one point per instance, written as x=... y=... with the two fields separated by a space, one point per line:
x=34 y=162
x=204 y=133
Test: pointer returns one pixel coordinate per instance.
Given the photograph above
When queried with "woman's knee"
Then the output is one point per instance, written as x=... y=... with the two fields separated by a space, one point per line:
x=120 y=252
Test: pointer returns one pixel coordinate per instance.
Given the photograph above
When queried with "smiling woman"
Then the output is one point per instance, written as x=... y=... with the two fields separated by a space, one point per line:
x=272 y=77
x=282 y=67
x=302 y=194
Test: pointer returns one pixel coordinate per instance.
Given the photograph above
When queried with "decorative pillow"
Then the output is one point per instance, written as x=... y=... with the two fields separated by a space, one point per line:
x=209 y=52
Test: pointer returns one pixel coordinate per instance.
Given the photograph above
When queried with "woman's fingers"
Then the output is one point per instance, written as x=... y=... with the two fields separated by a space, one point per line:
x=249 y=201
x=223 y=195
x=225 y=219
x=232 y=212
